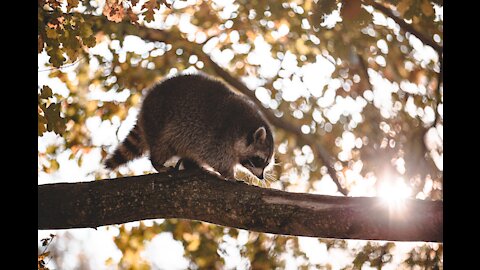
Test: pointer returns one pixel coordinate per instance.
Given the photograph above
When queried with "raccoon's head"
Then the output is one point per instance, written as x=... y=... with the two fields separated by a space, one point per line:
x=256 y=152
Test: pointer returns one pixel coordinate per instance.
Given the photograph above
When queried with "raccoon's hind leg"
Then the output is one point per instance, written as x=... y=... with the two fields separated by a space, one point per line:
x=159 y=154
x=132 y=147
x=187 y=163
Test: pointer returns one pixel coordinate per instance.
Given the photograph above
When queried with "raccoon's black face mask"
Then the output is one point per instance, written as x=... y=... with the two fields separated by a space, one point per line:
x=260 y=152
x=255 y=165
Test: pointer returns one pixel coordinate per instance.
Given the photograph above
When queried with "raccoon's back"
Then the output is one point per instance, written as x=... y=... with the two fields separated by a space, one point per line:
x=196 y=102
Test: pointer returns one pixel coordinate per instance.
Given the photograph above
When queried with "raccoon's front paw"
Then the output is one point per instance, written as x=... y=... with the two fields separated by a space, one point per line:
x=229 y=176
x=211 y=171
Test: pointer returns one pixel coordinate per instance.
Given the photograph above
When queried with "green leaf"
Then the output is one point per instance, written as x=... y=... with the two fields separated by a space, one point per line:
x=51 y=33
x=72 y=54
x=89 y=41
x=55 y=122
x=86 y=30
x=56 y=57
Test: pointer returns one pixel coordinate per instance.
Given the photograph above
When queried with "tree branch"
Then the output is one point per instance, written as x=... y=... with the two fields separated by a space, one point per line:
x=160 y=35
x=405 y=26
x=202 y=196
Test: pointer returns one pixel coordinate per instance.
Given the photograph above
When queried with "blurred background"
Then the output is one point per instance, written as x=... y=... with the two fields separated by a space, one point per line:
x=352 y=88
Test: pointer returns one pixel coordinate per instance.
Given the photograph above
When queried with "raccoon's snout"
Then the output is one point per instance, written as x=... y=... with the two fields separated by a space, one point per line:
x=258 y=172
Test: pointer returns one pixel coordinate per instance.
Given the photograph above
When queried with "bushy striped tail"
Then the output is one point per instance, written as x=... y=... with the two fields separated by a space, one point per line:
x=132 y=147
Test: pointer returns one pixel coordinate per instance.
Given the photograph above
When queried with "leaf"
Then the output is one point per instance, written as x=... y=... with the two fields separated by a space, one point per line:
x=114 y=10
x=80 y=161
x=354 y=16
x=54 y=165
x=46 y=92
x=168 y=5
x=56 y=57
x=72 y=54
x=53 y=3
x=71 y=4
x=45 y=241
x=40 y=43
x=42 y=122
x=51 y=33
x=351 y=9
x=89 y=41
x=322 y=8
x=150 y=5
x=427 y=8
x=86 y=30
x=55 y=122
x=132 y=16
x=404 y=6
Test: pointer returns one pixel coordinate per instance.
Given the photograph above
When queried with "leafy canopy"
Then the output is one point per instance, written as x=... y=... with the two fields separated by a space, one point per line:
x=362 y=79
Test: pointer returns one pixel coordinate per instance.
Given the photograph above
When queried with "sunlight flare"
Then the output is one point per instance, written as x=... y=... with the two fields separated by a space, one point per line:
x=394 y=193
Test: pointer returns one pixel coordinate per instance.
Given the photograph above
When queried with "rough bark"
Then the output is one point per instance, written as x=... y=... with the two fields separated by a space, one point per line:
x=202 y=196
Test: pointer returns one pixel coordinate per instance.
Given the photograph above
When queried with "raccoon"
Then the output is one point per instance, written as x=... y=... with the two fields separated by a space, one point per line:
x=201 y=120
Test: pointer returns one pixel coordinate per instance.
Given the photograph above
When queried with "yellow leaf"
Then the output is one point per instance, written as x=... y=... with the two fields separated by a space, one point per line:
x=194 y=244
x=109 y=261
x=300 y=45
x=427 y=8
x=404 y=6
x=51 y=33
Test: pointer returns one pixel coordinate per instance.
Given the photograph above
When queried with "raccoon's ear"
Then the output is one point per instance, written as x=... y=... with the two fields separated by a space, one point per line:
x=260 y=135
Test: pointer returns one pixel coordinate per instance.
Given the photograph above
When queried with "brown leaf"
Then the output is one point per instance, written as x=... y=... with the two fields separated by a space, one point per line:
x=150 y=5
x=72 y=4
x=134 y=2
x=427 y=8
x=114 y=10
x=403 y=6
x=351 y=9
x=168 y=5
x=132 y=16
x=53 y=3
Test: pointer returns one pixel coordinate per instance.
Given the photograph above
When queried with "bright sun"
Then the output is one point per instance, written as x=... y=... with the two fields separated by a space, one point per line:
x=394 y=194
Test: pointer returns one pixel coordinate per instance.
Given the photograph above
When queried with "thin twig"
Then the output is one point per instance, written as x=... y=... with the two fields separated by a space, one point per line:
x=64 y=66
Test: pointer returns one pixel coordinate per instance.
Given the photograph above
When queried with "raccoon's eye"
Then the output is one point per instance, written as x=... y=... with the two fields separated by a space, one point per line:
x=246 y=162
x=257 y=162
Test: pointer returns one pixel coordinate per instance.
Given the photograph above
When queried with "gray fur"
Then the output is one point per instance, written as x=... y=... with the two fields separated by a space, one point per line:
x=202 y=121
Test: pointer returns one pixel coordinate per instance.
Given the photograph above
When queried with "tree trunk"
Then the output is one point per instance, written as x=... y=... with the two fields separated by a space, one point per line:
x=201 y=196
